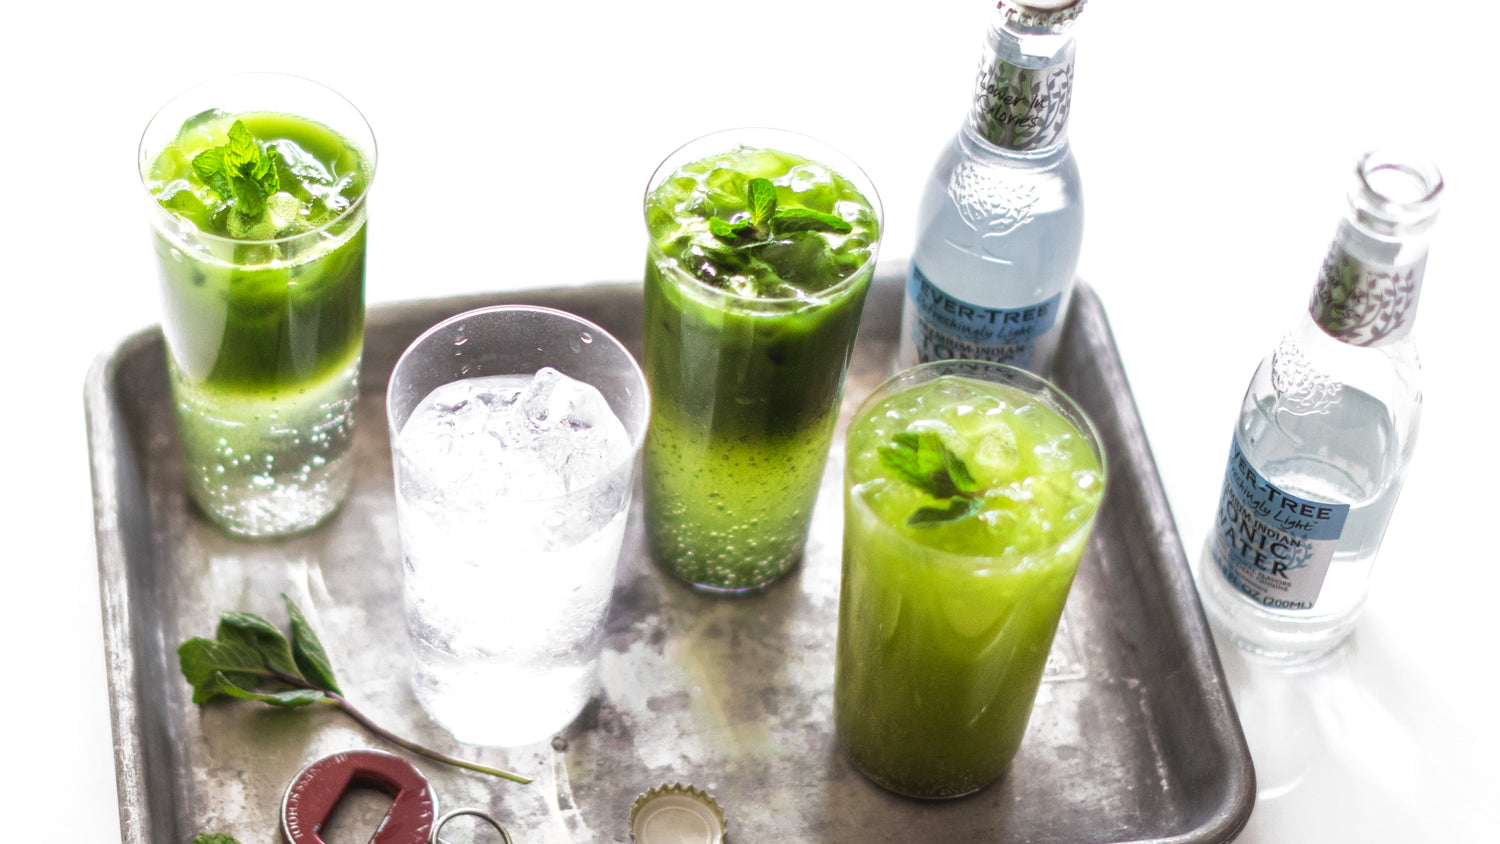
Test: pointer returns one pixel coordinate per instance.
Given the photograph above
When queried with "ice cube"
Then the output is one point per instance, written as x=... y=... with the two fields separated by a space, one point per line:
x=296 y=167
x=998 y=454
x=724 y=189
x=285 y=211
x=242 y=227
x=1056 y=453
x=504 y=452
x=205 y=129
x=579 y=435
x=547 y=400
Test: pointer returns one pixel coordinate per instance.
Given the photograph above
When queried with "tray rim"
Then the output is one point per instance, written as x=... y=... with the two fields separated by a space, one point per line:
x=1178 y=580
x=105 y=425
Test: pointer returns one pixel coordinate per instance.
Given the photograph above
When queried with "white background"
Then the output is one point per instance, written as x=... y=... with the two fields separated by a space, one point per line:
x=515 y=140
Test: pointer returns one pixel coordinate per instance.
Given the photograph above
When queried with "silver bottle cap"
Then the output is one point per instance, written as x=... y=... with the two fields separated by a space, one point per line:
x=1040 y=13
x=677 y=814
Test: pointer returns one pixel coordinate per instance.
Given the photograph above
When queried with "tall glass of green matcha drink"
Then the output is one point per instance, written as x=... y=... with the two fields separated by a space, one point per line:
x=258 y=186
x=970 y=492
x=762 y=246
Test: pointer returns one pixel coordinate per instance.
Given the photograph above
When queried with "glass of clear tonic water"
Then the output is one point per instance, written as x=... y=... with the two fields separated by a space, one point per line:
x=257 y=185
x=514 y=436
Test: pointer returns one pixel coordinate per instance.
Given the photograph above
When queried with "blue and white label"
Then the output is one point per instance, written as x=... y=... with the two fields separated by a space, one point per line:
x=1273 y=546
x=946 y=328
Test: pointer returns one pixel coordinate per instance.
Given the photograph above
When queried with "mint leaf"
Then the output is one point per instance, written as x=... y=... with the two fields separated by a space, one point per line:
x=213 y=171
x=924 y=461
x=215 y=838
x=767 y=222
x=308 y=651
x=957 y=510
x=760 y=195
x=242 y=150
x=958 y=472
x=287 y=698
x=788 y=220
x=208 y=664
x=742 y=230
x=256 y=633
x=921 y=459
x=239 y=171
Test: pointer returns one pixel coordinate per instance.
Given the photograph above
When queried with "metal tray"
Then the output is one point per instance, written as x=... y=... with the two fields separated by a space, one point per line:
x=1134 y=736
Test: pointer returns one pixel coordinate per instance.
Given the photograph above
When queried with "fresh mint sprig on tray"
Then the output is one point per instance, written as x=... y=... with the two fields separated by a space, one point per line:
x=239 y=170
x=250 y=659
x=923 y=460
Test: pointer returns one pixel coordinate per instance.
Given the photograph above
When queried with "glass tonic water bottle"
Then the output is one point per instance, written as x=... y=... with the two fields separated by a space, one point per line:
x=1000 y=222
x=1326 y=431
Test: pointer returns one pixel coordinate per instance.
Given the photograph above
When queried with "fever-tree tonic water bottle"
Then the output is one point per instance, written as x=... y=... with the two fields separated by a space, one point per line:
x=1326 y=431
x=1001 y=220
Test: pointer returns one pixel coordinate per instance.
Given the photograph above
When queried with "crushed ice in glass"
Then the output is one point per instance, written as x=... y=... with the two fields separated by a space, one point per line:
x=513 y=437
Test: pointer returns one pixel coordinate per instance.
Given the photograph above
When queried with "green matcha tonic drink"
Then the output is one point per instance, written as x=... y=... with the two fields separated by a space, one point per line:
x=258 y=217
x=762 y=246
x=970 y=492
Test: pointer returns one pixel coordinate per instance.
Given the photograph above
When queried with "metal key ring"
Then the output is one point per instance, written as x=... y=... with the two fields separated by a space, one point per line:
x=476 y=813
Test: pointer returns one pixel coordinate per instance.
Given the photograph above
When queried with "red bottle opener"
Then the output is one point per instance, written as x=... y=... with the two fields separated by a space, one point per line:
x=311 y=797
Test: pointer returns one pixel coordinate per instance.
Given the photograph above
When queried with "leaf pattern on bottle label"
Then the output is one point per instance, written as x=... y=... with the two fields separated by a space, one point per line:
x=1364 y=305
x=1022 y=108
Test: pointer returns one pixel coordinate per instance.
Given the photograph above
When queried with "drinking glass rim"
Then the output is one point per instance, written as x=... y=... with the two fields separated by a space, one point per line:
x=637 y=433
x=860 y=179
x=1033 y=385
x=371 y=156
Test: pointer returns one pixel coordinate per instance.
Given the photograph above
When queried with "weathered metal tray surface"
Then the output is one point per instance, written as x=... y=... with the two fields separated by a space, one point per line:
x=1134 y=736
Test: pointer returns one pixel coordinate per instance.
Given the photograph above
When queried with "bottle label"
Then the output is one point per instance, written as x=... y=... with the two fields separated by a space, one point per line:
x=946 y=328
x=1362 y=304
x=1022 y=108
x=1273 y=546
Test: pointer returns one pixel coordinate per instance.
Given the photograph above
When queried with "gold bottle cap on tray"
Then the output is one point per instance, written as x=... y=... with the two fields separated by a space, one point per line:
x=677 y=814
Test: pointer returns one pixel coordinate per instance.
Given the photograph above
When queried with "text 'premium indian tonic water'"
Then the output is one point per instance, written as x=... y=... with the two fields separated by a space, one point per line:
x=1000 y=223
x=1326 y=431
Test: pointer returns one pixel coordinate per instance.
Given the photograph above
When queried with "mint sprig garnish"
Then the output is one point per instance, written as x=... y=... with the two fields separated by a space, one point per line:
x=923 y=460
x=766 y=222
x=239 y=171
x=251 y=659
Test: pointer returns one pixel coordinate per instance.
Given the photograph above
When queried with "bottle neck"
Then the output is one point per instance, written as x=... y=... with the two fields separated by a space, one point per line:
x=1363 y=302
x=1024 y=90
x=1367 y=292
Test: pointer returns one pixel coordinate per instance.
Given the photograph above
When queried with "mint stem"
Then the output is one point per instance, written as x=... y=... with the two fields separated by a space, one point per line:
x=364 y=721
